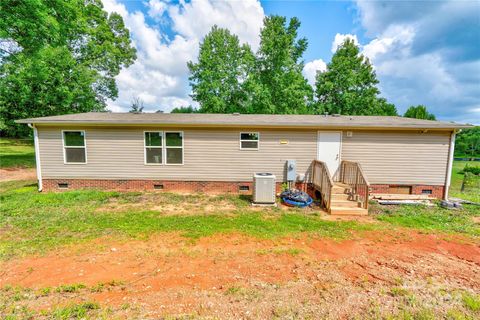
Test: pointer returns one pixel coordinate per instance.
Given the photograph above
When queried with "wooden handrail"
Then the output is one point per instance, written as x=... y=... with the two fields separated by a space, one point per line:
x=323 y=182
x=351 y=173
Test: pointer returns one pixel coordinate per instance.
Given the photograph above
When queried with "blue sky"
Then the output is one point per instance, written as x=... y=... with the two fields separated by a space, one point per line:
x=321 y=21
x=424 y=52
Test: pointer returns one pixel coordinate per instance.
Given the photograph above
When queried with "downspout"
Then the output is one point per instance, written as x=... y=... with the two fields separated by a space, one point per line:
x=37 y=156
x=450 y=164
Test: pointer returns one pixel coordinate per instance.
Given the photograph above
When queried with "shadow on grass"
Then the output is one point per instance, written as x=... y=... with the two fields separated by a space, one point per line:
x=17 y=160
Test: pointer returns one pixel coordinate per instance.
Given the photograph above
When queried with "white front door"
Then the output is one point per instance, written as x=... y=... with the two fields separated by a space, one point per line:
x=329 y=149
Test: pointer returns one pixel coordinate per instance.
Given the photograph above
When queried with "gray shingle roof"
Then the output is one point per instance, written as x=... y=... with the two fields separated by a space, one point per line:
x=243 y=120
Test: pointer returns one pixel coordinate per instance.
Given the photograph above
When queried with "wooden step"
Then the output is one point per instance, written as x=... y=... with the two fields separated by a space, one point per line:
x=340 y=196
x=343 y=185
x=339 y=190
x=345 y=203
x=342 y=211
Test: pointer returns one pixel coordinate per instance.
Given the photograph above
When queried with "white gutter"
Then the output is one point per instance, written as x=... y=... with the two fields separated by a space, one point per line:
x=37 y=156
x=450 y=164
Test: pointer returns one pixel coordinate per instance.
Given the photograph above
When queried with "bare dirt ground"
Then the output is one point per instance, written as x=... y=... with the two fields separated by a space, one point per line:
x=17 y=174
x=234 y=276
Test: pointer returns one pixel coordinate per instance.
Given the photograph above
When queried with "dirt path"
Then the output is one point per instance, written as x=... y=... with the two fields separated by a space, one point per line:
x=241 y=277
x=17 y=174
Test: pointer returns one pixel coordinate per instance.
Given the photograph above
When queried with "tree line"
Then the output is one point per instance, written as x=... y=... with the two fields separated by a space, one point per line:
x=229 y=77
x=59 y=57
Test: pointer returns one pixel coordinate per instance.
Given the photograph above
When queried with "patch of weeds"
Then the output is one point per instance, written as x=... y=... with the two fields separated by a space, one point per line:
x=471 y=301
x=424 y=314
x=17 y=293
x=420 y=314
x=433 y=219
x=75 y=311
x=233 y=290
x=374 y=310
x=70 y=288
x=280 y=251
x=99 y=287
x=454 y=314
x=17 y=312
x=244 y=293
x=43 y=292
x=398 y=281
x=399 y=292
x=7 y=288
x=114 y=283
x=284 y=312
x=17 y=296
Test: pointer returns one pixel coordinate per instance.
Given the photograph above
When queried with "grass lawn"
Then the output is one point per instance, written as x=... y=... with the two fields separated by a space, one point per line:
x=32 y=222
x=16 y=153
x=472 y=193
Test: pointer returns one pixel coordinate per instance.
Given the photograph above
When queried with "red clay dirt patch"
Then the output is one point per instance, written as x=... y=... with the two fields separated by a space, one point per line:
x=169 y=274
x=17 y=174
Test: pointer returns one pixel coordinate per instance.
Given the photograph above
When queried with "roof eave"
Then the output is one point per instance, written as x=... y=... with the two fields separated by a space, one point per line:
x=242 y=125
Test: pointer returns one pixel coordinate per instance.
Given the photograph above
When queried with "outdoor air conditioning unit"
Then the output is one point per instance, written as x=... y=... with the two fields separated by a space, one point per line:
x=264 y=188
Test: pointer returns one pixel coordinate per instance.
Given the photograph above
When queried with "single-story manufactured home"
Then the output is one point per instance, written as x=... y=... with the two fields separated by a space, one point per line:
x=221 y=152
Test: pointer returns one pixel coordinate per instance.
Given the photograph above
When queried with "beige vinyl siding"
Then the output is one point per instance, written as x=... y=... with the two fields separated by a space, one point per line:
x=209 y=154
x=387 y=157
x=399 y=157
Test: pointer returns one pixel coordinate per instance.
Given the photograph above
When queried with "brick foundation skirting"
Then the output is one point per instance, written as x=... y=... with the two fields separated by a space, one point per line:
x=436 y=191
x=160 y=185
x=201 y=186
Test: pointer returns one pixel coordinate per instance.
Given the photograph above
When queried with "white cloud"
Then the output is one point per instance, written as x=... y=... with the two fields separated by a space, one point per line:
x=195 y=19
x=156 y=8
x=395 y=40
x=425 y=53
x=311 y=68
x=340 y=38
x=159 y=76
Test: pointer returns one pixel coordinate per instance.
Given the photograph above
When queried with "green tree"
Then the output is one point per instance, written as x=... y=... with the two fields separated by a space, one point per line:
x=419 y=112
x=467 y=143
x=58 y=57
x=217 y=78
x=277 y=84
x=349 y=85
x=188 y=109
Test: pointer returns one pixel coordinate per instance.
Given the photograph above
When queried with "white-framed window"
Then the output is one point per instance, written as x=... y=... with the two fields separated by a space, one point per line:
x=74 y=147
x=153 y=143
x=249 y=140
x=163 y=147
x=174 y=147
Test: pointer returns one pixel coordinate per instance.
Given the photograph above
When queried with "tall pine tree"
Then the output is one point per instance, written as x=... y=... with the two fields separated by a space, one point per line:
x=349 y=85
